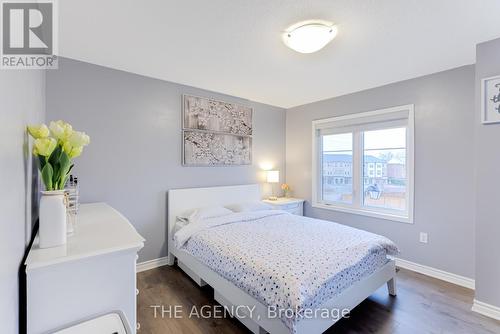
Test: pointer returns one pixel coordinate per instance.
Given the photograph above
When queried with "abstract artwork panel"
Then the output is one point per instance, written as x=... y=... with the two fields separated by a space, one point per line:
x=215 y=149
x=201 y=113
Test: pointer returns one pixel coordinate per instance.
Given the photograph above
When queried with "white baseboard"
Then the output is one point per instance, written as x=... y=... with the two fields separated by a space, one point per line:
x=436 y=273
x=151 y=264
x=486 y=309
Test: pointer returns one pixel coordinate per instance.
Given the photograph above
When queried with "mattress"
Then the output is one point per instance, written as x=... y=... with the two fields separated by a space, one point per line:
x=285 y=261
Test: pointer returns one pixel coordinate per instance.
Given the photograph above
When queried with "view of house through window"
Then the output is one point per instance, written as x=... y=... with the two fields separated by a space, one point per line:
x=384 y=168
x=337 y=168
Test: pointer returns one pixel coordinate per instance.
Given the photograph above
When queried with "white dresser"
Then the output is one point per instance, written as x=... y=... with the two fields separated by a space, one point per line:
x=93 y=274
x=292 y=205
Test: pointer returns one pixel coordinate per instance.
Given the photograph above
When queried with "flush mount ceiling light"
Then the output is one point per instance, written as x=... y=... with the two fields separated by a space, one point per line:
x=309 y=36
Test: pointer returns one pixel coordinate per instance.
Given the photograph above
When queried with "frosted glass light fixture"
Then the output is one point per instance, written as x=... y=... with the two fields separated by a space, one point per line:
x=309 y=36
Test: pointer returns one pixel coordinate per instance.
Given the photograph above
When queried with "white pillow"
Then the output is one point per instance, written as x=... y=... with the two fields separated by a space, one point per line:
x=249 y=206
x=179 y=224
x=203 y=213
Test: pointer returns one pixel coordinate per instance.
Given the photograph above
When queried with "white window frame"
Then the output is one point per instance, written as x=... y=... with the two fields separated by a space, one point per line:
x=382 y=115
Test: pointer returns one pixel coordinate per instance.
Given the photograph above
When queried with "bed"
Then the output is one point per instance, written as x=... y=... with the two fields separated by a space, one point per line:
x=287 y=270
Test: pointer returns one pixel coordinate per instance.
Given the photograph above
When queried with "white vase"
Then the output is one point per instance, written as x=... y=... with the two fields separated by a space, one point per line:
x=52 y=230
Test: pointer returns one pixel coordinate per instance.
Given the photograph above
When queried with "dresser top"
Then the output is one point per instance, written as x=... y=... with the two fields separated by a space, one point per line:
x=99 y=230
x=284 y=200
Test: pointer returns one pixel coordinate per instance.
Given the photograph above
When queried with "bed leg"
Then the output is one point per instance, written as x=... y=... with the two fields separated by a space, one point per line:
x=391 y=286
x=170 y=259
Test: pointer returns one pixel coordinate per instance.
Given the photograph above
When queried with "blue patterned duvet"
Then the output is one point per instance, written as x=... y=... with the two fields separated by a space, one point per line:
x=284 y=260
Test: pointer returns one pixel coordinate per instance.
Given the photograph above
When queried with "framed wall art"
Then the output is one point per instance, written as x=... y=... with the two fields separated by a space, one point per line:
x=215 y=133
x=490 y=100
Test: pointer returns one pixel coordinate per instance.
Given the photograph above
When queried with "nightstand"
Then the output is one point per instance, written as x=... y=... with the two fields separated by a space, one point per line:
x=292 y=205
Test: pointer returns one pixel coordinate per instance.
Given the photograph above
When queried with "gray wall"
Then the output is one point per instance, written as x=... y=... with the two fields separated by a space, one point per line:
x=22 y=94
x=444 y=201
x=487 y=218
x=135 y=153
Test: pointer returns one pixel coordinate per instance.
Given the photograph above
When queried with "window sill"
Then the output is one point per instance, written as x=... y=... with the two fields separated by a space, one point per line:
x=368 y=213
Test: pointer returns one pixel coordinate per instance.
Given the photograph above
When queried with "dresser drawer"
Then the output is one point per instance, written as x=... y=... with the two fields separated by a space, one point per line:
x=296 y=211
x=290 y=206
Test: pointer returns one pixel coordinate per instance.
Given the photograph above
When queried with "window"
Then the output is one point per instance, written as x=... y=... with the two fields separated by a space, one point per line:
x=337 y=167
x=363 y=163
x=387 y=188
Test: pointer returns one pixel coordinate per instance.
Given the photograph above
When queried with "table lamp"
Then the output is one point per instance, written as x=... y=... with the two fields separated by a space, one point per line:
x=273 y=176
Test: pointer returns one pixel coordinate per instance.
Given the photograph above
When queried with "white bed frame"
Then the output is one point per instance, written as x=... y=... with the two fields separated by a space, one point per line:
x=227 y=294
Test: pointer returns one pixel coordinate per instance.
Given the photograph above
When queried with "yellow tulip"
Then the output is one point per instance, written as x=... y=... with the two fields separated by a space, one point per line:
x=38 y=131
x=75 y=152
x=61 y=130
x=72 y=151
x=78 y=139
x=44 y=146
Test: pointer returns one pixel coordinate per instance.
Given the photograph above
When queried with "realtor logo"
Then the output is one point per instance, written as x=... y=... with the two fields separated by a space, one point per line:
x=28 y=35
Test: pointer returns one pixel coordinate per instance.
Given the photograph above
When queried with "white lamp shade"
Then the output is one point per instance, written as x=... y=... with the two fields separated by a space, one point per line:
x=273 y=176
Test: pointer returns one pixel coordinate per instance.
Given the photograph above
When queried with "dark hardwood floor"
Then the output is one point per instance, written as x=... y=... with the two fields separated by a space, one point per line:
x=423 y=305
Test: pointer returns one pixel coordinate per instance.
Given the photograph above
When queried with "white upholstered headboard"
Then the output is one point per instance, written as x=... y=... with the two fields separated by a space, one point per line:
x=181 y=200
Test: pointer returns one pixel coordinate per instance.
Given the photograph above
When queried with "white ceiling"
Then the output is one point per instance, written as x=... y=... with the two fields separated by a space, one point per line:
x=234 y=46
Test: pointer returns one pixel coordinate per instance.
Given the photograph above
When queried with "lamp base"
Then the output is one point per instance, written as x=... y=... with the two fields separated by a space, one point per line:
x=272 y=198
